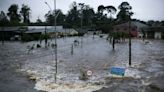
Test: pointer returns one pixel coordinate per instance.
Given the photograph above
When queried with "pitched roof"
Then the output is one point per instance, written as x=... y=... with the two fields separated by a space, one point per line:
x=156 y=29
x=11 y=29
x=133 y=23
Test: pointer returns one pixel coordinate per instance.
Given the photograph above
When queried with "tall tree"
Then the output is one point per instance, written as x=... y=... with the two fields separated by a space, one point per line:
x=101 y=9
x=49 y=18
x=25 y=12
x=111 y=9
x=3 y=19
x=124 y=13
x=13 y=14
x=88 y=14
x=73 y=17
x=51 y=15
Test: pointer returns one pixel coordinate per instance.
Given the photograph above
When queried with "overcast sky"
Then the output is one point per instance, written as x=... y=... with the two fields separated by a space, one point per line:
x=143 y=9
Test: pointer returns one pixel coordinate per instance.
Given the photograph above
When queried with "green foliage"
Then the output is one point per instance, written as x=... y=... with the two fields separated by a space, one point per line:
x=88 y=15
x=106 y=28
x=100 y=9
x=13 y=14
x=3 y=21
x=25 y=12
x=50 y=17
x=73 y=17
x=111 y=10
x=124 y=14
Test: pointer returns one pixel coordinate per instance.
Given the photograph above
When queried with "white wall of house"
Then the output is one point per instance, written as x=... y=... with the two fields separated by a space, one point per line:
x=140 y=35
x=158 y=35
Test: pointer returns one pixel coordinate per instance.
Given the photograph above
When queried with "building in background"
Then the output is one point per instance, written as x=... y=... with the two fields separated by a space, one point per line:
x=155 y=32
x=136 y=28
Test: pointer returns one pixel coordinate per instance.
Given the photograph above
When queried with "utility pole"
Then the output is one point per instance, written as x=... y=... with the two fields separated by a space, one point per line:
x=130 y=14
x=56 y=66
x=129 y=43
x=56 y=58
x=82 y=6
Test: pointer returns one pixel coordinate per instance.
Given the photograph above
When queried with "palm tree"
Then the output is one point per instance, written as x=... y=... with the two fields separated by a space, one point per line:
x=25 y=12
x=111 y=10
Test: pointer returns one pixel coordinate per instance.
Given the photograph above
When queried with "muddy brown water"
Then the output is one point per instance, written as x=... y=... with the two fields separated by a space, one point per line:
x=95 y=54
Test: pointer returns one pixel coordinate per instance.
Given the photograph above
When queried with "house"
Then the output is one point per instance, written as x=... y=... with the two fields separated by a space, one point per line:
x=38 y=30
x=51 y=30
x=72 y=32
x=11 y=33
x=81 y=32
x=136 y=28
x=155 y=32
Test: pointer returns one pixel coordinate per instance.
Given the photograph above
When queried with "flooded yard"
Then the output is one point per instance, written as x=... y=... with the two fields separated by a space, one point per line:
x=145 y=75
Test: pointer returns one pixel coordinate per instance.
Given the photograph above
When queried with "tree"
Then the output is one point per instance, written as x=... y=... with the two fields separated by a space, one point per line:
x=124 y=13
x=101 y=9
x=73 y=16
x=88 y=15
x=3 y=19
x=111 y=10
x=61 y=17
x=25 y=12
x=13 y=14
x=50 y=17
x=39 y=21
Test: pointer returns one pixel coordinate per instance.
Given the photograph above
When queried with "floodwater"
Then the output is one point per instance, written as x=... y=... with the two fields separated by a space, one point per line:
x=145 y=75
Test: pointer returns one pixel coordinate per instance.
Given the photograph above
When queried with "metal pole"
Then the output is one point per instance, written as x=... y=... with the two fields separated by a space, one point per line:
x=82 y=6
x=129 y=43
x=81 y=25
x=55 y=42
x=48 y=6
x=72 y=49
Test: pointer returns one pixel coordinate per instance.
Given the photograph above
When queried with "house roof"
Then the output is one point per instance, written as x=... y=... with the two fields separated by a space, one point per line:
x=156 y=29
x=133 y=23
x=48 y=30
x=10 y=29
x=81 y=30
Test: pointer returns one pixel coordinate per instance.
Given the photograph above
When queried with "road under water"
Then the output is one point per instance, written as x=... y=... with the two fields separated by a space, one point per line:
x=145 y=75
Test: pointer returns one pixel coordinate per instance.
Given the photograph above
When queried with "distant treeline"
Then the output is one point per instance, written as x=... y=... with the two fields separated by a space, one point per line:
x=79 y=15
